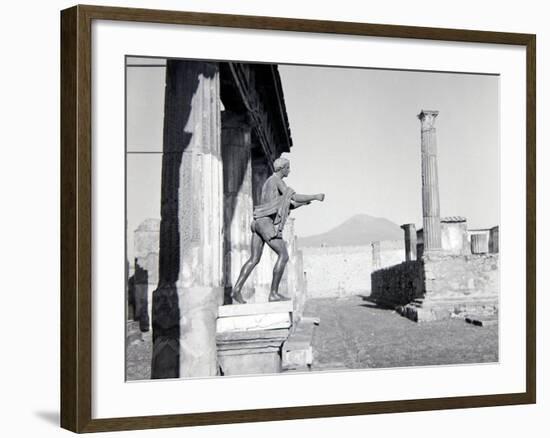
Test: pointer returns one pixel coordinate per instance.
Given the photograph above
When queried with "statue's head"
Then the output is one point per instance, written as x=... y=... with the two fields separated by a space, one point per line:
x=282 y=165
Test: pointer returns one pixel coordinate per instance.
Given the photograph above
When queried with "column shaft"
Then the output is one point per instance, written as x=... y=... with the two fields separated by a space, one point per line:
x=430 y=186
x=410 y=241
x=190 y=257
x=238 y=205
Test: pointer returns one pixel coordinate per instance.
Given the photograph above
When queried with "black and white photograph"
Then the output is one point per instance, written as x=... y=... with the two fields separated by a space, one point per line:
x=275 y=219
x=303 y=218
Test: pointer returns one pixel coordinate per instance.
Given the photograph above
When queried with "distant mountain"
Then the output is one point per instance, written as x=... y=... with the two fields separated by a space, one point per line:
x=360 y=229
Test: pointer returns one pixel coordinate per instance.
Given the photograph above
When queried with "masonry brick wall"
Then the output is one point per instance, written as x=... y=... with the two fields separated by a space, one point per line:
x=346 y=270
x=465 y=278
x=458 y=282
x=399 y=284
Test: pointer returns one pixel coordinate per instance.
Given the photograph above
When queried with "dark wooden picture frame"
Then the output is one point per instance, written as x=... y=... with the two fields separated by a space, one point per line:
x=76 y=218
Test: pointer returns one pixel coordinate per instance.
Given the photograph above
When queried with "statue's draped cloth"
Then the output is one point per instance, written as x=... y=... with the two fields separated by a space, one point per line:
x=270 y=217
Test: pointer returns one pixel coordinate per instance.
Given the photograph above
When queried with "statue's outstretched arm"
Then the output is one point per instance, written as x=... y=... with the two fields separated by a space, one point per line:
x=308 y=198
x=295 y=204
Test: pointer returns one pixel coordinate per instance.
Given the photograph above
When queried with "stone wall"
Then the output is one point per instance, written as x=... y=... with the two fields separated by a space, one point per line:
x=440 y=285
x=399 y=284
x=146 y=250
x=465 y=281
x=346 y=270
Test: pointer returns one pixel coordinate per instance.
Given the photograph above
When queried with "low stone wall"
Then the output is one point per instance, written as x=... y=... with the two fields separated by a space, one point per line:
x=346 y=270
x=440 y=285
x=467 y=280
x=399 y=284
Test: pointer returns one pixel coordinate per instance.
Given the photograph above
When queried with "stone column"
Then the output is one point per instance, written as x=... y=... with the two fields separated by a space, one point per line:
x=238 y=205
x=260 y=172
x=410 y=241
x=191 y=230
x=141 y=280
x=288 y=285
x=430 y=186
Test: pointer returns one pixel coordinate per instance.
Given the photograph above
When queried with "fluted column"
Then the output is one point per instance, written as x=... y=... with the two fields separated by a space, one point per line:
x=260 y=172
x=410 y=241
x=191 y=230
x=430 y=185
x=237 y=173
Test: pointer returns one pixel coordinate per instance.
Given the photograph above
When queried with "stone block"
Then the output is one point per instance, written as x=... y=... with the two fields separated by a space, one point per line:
x=297 y=351
x=297 y=359
x=250 y=352
x=249 y=337
x=482 y=320
x=254 y=309
x=254 y=363
x=264 y=321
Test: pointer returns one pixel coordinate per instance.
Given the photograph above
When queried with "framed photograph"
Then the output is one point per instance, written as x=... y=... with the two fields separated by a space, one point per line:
x=268 y=219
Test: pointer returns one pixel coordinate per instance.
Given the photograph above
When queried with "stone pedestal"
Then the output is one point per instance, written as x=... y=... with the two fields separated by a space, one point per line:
x=191 y=230
x=297 y=351
x=410 y=241
x=430 y=185
x=454 y=286
x=249 y=337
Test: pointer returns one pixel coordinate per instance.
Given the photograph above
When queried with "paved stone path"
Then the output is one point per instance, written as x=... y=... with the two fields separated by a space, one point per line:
x=354 y=333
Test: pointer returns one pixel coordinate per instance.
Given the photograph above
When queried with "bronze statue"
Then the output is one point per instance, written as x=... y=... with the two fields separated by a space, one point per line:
x=277 y=199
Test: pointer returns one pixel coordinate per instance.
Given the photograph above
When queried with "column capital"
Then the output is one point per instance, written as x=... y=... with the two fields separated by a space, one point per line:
x=427 y=118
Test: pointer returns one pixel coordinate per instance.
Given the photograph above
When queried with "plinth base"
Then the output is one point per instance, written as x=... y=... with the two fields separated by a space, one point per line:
x=297 y=352
x=249 y=337
x=424 y=311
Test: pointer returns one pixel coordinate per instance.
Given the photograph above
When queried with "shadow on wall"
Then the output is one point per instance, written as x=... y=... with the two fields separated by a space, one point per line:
x=346 y=270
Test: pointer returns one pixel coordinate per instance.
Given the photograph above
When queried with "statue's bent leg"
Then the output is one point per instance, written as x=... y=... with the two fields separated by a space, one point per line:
x=279 y=246
x=256 y=248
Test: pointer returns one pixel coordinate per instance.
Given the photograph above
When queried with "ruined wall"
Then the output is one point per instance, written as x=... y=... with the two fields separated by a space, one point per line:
x=146 y=249
x=454 y=283
x=466 y=281
x=399 y=284
x=346 y=270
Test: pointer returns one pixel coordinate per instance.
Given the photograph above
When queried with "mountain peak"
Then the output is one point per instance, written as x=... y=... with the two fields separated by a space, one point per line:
x=360 y=229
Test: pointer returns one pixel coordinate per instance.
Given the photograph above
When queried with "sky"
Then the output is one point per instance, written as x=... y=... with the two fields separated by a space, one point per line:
x=357 y=139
